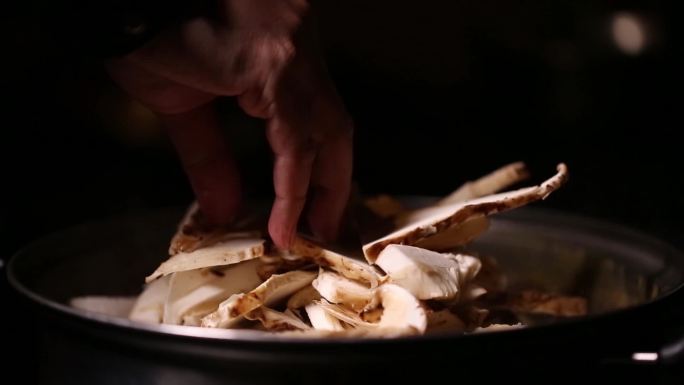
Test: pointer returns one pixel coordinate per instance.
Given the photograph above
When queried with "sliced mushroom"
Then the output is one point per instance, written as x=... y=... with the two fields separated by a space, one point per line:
x=427 y=274
x=276 y=321
x=276 y=288
x=348 y=267
x=338 y=289
x=220 y=254
x=402 y=313
x=455 y=236
x=431 y=221
x=322 y=319
x=491 y=183
x=107 y=305
x=195 y=232
x=468 y=266
x=149 y=307
x=193 y=317
x=193 y=289
x=344 y=314
x=303 y=297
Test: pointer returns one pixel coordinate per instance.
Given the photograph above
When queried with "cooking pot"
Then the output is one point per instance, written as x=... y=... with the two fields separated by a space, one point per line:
x=632 y=281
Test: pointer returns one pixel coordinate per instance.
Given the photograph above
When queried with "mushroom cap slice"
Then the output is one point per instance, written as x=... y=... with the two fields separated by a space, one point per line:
x=427 y=274
x=431 y=221
x=402 y=313
x=338 y=289
x=276 y=288
x=219 y=254
x=108 y=305
x=149 y=307
x=191 y=290
x=468 y=266
x=348 y=267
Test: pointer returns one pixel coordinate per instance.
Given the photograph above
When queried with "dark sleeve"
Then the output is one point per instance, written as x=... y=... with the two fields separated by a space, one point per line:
x=109 y=28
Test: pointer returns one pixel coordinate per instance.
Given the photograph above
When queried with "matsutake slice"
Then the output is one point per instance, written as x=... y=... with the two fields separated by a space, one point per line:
x=348 y=267
x=275 y=289
x=201 y=288
x=276 y=321
x=195 y=232
x=428 y=274
x=219 y=254
x=402 y=313
x=321 y=319
x=491 y=183
x=455 y=236
x=303 y=297
x=431 y=221
x=149 y=307
x=337 y=289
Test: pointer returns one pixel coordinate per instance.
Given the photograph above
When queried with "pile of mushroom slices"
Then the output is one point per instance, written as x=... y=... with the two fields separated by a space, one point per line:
x=411 y=281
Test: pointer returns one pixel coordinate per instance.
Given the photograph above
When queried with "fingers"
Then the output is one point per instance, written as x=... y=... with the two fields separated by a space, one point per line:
x=331 y=183
x=291 y=176
x=206 y=159
x=156 y=92
x=221 y=59
x=255 y=104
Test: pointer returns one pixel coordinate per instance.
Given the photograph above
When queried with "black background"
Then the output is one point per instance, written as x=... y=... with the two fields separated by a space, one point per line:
x=441 y=92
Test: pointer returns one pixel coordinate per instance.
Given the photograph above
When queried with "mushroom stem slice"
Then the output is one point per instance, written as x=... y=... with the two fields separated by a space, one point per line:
x=348 y=267
x=275 y=289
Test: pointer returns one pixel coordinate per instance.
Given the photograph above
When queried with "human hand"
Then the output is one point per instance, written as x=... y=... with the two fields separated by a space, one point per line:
x=257 y=51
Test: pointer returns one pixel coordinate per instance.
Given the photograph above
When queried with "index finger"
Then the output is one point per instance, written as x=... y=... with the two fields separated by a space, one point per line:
x=291 y=177
x=207 y=162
